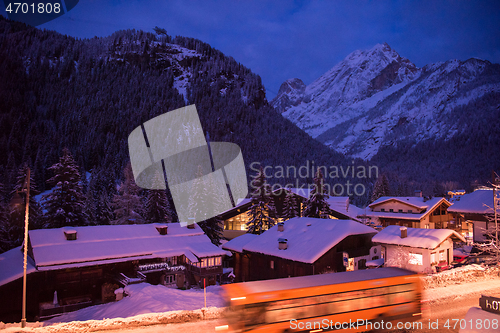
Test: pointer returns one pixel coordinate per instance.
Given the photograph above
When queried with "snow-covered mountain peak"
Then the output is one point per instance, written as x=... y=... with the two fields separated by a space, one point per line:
x=291 y=94
x=376 y=97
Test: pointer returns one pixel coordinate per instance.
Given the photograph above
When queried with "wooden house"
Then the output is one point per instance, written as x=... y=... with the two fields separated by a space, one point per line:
x=302 y=246
x=84 y=265
x=413 y=212
x=415 y=249
x=474 y=209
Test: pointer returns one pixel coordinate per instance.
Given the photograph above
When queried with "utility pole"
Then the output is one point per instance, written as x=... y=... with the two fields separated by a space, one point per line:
x=496 y=182
x=26 y=218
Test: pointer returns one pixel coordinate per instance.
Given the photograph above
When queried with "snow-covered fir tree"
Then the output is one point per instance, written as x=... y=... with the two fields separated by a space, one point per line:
x=157 y=206
x=64 y=206
x=381 y=188
x=206 y=196
x=100 y=191
x=262 y=209
x=127 y=204
x=290 y=209
x=35 y=211
x=316 y=205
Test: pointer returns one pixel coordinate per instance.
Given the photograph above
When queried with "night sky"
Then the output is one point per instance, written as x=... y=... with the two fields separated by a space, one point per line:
x=285 y=39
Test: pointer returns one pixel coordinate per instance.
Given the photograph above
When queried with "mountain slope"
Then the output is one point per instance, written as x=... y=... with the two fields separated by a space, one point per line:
x=88 y=95
x=376 y=99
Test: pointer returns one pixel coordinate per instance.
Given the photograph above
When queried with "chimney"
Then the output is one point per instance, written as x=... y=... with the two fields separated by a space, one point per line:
x=404 y=232
x=418 y=193
x=162 y=229
x=281 y=226
x=70 y=234
x=283 y=243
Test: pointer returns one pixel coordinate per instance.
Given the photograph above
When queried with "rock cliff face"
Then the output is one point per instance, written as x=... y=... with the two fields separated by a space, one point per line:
x=377 y=98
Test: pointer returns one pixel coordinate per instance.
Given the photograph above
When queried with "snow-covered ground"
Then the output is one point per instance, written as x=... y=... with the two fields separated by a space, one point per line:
x=145 y=305
x=148 y=305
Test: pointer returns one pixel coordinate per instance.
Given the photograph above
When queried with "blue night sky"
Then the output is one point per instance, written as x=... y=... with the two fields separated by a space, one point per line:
x=285 y=39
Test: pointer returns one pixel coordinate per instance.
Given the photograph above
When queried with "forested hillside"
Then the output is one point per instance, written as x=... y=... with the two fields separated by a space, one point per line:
x=88 y=95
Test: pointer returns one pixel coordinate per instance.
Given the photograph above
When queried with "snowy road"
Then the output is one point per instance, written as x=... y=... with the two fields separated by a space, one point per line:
x=440 y=304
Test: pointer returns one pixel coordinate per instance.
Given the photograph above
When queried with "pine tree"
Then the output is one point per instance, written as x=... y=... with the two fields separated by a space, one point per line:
x=35 y=211
x=316 y=205
x=260 y=212
x=127 y=204
x=290 y=209
x=65 y=204
x=381 y=188
x=157 y=206
x=206 y=197
x=6 y=241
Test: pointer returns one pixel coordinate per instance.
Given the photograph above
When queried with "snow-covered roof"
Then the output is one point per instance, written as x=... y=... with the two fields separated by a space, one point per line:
x=428 y=205
x=416 y=237
x=111 y=243
x=237 y=244
x=477 y=202
x=417 y=202
x=240 y=202
x=11 y=265
x=307 y=238
x=342 y=205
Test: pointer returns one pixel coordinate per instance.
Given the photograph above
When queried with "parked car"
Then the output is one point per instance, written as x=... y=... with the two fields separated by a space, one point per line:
x=475 y=259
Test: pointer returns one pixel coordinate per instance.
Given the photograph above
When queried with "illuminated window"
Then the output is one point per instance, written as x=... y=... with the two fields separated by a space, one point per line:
x=204 y=263
x=210 y=262
x=272 y=264
x=415 y=259
x=433 y=258
x=217 y=261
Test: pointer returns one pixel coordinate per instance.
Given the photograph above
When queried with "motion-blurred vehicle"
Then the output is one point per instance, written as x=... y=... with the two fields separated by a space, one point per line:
x=288 y=305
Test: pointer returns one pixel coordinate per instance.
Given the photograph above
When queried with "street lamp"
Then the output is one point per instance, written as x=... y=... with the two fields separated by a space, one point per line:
x=17 y=200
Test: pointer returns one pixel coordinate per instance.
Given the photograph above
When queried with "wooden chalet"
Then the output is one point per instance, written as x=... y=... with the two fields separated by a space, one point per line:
x=302 y=246
x=413 y=212
x=85 y=265
x=476 y=210
x=235 y=219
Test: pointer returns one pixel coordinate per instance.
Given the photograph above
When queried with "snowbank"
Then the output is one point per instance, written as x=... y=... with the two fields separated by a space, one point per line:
x=171 y=317
x=461 y=275
x=145 y=298
x=145 y=305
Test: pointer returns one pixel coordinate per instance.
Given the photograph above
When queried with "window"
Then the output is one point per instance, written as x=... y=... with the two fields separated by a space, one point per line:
x=218 y=261
x=204 y=263
x=210 y=262
x=382 y=209
x=391 y=210
x=415 y=258
x=433 y=258
x=410 y=211
x=170 y=279
x=400 y=211
x=272 y=264
x=443 y=212
x=442 y=256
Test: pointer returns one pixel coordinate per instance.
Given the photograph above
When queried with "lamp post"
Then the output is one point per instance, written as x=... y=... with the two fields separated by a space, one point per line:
x=16 y=201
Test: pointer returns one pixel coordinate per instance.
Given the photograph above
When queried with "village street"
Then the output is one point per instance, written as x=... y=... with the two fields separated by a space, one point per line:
x=440 y=304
